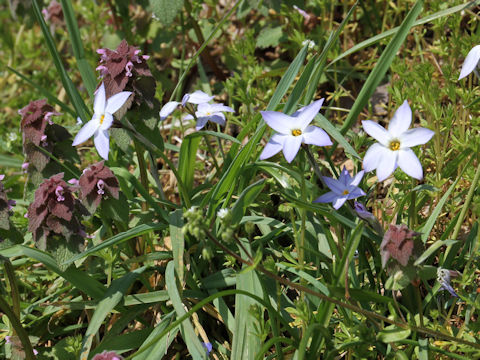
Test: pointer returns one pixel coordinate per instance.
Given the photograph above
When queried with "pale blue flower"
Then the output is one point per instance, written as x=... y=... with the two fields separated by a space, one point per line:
x=471 y=62
x=209 y=112
x=197 y=97
x=102 y=120
x=393 y=147
x=293 y=130
x=343 y=189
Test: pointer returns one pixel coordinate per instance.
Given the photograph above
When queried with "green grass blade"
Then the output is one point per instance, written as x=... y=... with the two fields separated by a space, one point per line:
x=424 y=20
x=112 y=297
x=245 y=200
x=44 y=92
x=336 y=135
x=77 y=278
x=71 y=90
x=381 y=67
x=86 y=71
x=118 y=239
x=178 y=242
x=10 y=161
x=187 y=159
x=287 y=79
x=197 y=351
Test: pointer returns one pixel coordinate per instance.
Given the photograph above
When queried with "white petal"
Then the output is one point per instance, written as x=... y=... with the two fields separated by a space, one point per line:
x=188 y=117
x=220 y=107
x=409 y=163
x=414 y=137
x=201 y=122
x=272 y=148
x=99 y=102
x=308 y=113
x=356 y=180
x=313 y=135
x=372 y=157
x=101 y=140
x=471 y=62
x=337 y=204
x=185 y=99
x=335 y=185
x=387 y=164
x=116 y=101
x=107 y=121
x=167 y=109
x=401 y=120
x=199 y=97
x=376 y=131
x=86 y=131
x=279 y=121
x=291 y=145
x=326 y=198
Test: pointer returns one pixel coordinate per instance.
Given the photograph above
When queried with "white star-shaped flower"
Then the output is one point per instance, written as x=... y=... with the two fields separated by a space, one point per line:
x=393 y=147
x=197 y=97
x=209 y=112
x=101 y=121
x=293 y=130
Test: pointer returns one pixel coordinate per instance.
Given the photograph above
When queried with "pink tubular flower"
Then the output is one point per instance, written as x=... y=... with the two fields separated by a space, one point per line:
x=107 y=355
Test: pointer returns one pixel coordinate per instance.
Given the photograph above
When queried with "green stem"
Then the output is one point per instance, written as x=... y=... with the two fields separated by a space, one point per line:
x=12 y=282
x=466 y=205
x=345 y=305
x=418 y=298
x=18 y=328
x=212 y=153
x=314 y=165
x=412 y=214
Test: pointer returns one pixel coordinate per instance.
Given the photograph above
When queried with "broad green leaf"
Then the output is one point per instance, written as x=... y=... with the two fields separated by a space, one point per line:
x=380 y=69
x=197 y=351
x=393 y=333
x=166 y=10
x=269 y=37
x=112 y=297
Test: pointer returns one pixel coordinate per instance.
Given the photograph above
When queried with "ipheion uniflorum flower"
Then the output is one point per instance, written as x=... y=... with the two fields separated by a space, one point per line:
x=393 y=147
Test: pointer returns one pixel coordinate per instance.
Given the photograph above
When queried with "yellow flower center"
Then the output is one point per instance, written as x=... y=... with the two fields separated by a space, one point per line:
x=394 y=145
x=345 y=192
x=296 y=132
x=101 y=119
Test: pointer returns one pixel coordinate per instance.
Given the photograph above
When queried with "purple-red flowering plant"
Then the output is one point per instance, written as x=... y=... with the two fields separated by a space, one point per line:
x=96 y=183
x=107 y=355
x=55 y=216
x=124 y=69
x=398 y=243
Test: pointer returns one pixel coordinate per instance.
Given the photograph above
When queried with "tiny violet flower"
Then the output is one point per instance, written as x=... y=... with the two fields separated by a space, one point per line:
x=393 y=147
x=343 y=189
x=208 y=346
x=100 y=186
x=443 y=277
x=471 y=62
x=293 y=130
x=59 y=193
x=197 y=97
x=209 y=112
x=102 y=120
